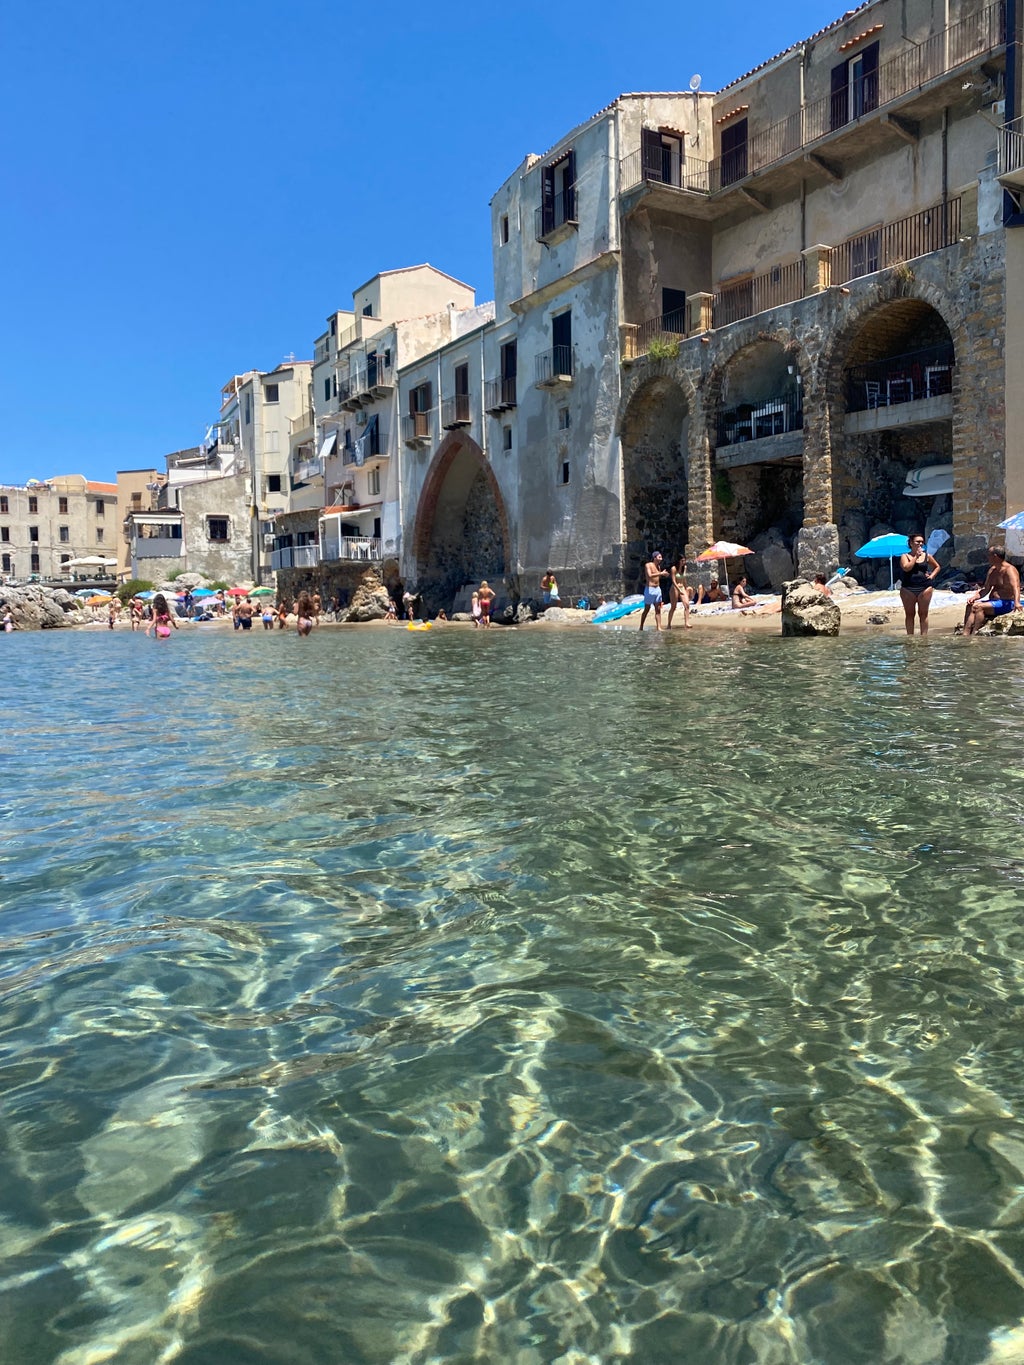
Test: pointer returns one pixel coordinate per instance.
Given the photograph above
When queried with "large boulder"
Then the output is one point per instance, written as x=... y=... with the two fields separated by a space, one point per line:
x=37 y=608
x=778 y=566
x=816 y=549
x=807 y=611
x=370 y=601
x=1012 y=624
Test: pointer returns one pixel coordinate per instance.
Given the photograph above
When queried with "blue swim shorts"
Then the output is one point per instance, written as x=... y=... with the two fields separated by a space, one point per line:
x=1000 y=605
x=652 y=597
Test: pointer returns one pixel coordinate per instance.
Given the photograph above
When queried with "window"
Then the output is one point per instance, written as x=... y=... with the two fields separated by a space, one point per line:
x=663 y=156
x=327 y=390
x=734 y=151
x=561 y=343
x=334 y=327
x=5 y=534
x=564 y=419
x=673 y=310
x=99 y=535
x=854 y=87
x=503 y=230
x=217 y=529
x=65 y=534
x=273 y=483
x=564 y=473
x=271 y=442
x=506 y=438
x=272 y=393
x=64 y=559
x=558 y=194
x=375 y=481
x=248 y=408
x=34 y=562
x=865 y=251
x=33 y=507
x=368 y=310
x=33 y=534
x=101 y=508
x=6 y=563
x=62 y=507
x=508 y=373
x=419 y=397
x=4 y=505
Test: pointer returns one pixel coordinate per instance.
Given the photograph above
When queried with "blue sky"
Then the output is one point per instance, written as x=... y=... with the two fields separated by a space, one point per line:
x=188 y=191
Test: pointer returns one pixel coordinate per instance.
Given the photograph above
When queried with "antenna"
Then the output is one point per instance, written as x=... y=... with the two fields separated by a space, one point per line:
x=695 y=82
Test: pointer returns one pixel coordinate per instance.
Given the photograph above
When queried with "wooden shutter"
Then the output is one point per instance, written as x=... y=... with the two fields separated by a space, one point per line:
x=570 y=188
x=650 y=147
x=840 y=106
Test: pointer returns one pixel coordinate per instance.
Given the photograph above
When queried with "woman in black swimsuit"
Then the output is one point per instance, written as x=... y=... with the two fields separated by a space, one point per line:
x=917 y=573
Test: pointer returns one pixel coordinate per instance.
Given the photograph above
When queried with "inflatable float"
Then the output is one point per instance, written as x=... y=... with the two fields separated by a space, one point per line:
x=420 y=625
x=614 y=611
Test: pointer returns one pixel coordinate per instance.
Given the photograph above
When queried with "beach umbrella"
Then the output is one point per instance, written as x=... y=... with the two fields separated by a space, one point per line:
x=238 y=592
x=262 y=592
x=885 y=547
x=99 y=600
x=1014 y=528
x=204 y=592
x=723 y=550
x=146 y=596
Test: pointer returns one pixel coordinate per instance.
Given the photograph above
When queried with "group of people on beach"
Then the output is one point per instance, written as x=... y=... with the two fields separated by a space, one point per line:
x=681 y=594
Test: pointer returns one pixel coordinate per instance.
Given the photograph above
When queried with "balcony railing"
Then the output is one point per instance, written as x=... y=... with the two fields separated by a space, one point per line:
x=158 y=547
x=321 y=352
x=357 y=549
x=299 y=423
x=892 y=243
x=942 y=52
x=559 y=211
x=380 y=374
x=417 y=428
x=1011 y=147
x=635 y=168
x=748 y=422
x=637 y=336
x=295 y=557
x=781 y=284
x=305 y=470
x=555 y=366
x=500 y=394
x=455 y=411
x=900 y=379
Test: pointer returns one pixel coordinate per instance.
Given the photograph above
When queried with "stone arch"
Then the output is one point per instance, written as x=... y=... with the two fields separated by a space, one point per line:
x=891 y=383
x=754 y=401
x=461 y=532
x=654 y=422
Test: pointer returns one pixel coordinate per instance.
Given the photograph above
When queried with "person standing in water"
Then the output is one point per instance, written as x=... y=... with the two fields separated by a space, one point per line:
x=917 y=583
x=162 y=620
x=304 y=615
x=679 y=593
x=653 y=574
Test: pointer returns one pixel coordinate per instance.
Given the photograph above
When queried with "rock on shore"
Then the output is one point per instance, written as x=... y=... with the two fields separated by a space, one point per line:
x=808 y=611
x=370 y=601
x=37 y=608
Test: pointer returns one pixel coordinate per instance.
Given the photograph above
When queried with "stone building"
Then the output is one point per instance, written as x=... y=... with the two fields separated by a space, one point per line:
x=47 y=524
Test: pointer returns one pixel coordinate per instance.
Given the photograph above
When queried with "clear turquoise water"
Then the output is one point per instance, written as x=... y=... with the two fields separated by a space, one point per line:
x=511 y=998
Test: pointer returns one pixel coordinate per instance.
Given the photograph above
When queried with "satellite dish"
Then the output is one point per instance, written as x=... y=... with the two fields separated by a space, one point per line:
x=695 y=83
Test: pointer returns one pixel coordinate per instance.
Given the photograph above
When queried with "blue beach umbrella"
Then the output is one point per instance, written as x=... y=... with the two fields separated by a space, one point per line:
x=204 y=592
x=1014 y=527
x=885 y=547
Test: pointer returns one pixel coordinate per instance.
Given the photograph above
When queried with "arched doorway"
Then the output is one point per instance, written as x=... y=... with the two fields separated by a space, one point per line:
x=891 y=384
x=461 y=533
x=655 y=438
x=757 y=465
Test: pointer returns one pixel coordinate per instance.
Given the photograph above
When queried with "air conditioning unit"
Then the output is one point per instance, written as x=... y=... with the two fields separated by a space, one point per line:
x=268 y=542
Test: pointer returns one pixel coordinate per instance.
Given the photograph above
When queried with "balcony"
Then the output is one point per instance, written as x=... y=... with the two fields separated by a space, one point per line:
x=455 y=411
x=902 y=390
x=684 y=186
x=301 y=422
x=380 y=376
x=554 y=369
x=352 y=391
x=1011 y=154
x=637 y=336
x=417 y=429
x=348 y=450
x=347 y=549
x=864 y=111
x=894 y=243
x=295 y=557
x=782 y=284
x=306 y=469
x=158 y=547
x=768 y=433
x=556 y=219
x=500 y=394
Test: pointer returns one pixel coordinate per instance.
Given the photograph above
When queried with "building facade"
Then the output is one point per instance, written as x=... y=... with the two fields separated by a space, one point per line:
x=47 y=525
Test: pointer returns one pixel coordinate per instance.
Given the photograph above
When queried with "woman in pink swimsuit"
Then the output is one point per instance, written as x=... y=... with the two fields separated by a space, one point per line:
x=162 y=621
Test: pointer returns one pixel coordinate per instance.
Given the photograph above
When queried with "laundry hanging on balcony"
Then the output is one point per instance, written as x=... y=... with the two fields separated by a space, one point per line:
x=365 y=444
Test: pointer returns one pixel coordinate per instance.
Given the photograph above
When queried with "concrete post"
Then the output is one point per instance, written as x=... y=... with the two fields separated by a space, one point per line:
x=817 y=268
x=700 y=308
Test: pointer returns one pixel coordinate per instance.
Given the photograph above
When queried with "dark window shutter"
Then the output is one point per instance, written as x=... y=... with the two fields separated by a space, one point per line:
x=869 y=78
x=651 y=150
x=570 y=188
x=547 y=212
x=840 y=107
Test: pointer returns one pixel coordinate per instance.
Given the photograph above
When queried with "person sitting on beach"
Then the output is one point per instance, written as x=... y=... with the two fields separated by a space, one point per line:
x=1002 y=589
x=821 y=583
x=304 y=617
x=486 y=603
x=679 y=592
x=653 y=574
x=740 y=597
x=917 y=583
x=391 y=614
x=442 y=615
x=714 y=593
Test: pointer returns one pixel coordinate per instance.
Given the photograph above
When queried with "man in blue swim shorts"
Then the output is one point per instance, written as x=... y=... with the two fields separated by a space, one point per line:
x=1002 y=589
x=653 y=574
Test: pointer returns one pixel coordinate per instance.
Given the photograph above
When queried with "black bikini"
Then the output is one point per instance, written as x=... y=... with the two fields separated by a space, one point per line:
x=917 y=579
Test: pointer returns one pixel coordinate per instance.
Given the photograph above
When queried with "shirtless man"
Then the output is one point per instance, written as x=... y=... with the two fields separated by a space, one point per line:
x=653 y=574
x=713 y=594
x=1001 y=587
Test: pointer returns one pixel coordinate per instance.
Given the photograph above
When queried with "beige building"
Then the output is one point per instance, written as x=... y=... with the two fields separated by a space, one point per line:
x=47 y=525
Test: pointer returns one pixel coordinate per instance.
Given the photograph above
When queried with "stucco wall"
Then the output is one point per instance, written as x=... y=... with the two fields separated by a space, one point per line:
x=219 y=498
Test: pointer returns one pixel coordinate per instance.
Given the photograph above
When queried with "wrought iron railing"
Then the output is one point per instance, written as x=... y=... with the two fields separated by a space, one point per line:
x=554 y=365
x=560 y=209
x=455 y=411
x=754 y=421
x=380 y=373
x=906 y=378
x=500 y=394
x=637 y=336
x=782 y=284
x=635 y=168
x=893 y=243
x=416 y=427
x=1011 y=146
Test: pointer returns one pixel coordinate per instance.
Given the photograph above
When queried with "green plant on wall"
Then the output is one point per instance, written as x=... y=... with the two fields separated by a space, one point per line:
x=663 y=348
x=902 y=272
x=723 y=489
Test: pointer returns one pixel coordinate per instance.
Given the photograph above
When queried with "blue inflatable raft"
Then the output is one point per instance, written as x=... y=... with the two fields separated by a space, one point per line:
x=614 y=611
